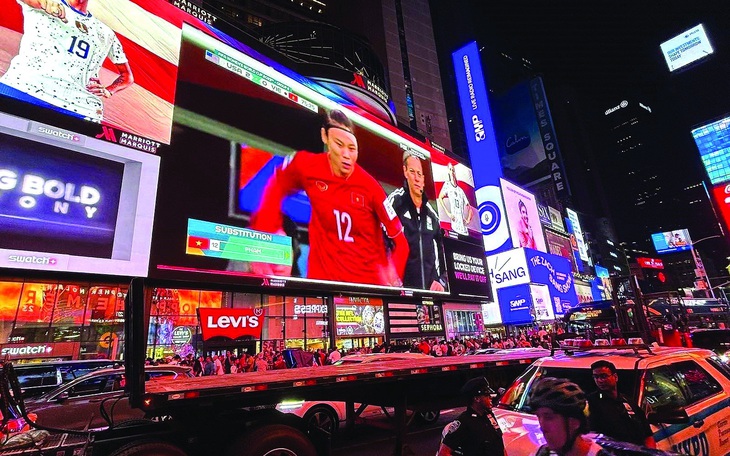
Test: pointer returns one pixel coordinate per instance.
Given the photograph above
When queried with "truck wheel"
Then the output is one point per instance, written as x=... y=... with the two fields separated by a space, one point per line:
x=273 y=440
x=428 y=417
x=149 y=448
x=322 y=417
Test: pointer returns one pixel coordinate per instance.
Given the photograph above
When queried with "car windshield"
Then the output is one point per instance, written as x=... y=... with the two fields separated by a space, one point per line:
x=515 y=398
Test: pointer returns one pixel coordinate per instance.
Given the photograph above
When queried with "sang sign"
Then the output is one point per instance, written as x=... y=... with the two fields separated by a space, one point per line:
x=230 y=323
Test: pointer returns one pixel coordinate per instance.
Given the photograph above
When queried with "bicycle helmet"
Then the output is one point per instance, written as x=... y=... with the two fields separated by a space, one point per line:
x=562 y=396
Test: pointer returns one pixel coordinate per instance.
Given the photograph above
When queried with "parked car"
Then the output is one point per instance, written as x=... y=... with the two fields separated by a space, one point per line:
x=39 y=378
x=327 y=415
x=717 y=340
x=78 y=403
x=685 y=391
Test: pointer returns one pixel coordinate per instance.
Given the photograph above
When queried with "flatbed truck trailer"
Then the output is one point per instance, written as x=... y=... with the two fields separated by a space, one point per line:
x=234 y=414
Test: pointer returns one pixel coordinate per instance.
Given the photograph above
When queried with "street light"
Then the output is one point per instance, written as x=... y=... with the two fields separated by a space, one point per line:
x=699 y=266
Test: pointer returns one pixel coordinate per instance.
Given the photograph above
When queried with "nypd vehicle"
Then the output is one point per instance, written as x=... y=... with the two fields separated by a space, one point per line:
x=685 y=392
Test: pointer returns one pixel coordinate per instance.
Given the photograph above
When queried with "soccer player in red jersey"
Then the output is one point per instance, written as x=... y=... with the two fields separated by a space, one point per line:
x=348 y=208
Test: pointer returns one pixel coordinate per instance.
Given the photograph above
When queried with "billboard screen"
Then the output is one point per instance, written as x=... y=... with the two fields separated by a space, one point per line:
x=112 y=62
x=558 y=244
x=555 y=272
x=578 y=233
x=454 y=185
x=356 y=316
x=713 y=142
x=721 y=195
x=687 y=47
x=482 y=144
x=73 y=203
x=522 y=217
x=249 y=195
x=671 y=241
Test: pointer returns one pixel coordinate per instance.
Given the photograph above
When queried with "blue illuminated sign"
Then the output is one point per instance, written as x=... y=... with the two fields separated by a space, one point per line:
x=51 y=197
x=482 y=145
x=556 y=272
x=514 y=304
x=713 y=141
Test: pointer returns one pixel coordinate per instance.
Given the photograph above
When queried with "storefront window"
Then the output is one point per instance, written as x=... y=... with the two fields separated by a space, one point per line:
x=9 y=298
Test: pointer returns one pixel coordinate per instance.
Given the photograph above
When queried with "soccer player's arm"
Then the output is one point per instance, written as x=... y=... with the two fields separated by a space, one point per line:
x=441 y=200
x=125 y=78
x=51 y=7
x=268 y=217
x=394 y=230
x=468 y=208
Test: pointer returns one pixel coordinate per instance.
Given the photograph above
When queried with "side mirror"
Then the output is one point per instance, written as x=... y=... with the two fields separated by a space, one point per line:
x=668 y=416
x=498 y=395
x=62 y=397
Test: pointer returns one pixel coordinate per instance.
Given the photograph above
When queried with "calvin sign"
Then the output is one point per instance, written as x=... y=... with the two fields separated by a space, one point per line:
x=230 y=323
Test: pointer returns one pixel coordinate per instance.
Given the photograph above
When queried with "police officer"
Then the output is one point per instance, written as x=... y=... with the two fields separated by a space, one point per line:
x=475 y=432
x=612 y=414
x=424 y=268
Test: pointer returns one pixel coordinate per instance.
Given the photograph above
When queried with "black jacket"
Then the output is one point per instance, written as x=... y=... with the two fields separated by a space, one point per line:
x=425 y=261
x=474 y=435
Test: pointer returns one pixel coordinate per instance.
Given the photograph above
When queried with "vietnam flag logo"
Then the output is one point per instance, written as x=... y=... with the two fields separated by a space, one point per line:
x=195 y=242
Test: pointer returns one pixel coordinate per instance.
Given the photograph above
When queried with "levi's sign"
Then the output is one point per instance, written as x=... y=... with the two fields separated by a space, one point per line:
x=230 y=323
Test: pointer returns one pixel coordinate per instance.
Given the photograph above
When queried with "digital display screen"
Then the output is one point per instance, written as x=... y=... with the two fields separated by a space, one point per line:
x=713 y=142
x=457 y=207
x=671 y=241
x=414 y=320
x=522 y=217
x=356 y=316
x=271 y=183
x=113 y=63
x=686 y=48
x=73 y=203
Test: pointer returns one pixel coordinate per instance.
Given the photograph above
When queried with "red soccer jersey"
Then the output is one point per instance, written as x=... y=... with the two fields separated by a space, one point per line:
x=346 y=240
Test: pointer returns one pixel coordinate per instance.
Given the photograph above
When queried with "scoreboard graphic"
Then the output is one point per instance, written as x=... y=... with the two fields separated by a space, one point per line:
x=239 y=244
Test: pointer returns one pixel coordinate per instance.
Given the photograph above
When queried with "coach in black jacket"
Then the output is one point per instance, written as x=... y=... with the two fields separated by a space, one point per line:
x=424 y=268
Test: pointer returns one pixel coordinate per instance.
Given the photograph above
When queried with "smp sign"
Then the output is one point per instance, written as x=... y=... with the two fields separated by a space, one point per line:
x=230 y=323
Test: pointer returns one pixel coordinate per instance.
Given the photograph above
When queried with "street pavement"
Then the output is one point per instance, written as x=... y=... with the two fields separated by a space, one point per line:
x=374 y=438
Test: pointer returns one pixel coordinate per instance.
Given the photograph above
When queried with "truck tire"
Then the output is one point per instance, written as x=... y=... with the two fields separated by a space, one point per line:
x=273 y=440
x=322 y=417
x=149 y=448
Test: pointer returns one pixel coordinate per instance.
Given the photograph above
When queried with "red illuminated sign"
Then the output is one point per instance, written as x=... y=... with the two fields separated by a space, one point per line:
x=721 y=195
x=43 y=350
x=650 y=263
x=230 y=323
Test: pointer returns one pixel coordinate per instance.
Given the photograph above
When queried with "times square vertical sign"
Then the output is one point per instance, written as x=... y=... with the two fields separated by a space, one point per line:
x=483 y=150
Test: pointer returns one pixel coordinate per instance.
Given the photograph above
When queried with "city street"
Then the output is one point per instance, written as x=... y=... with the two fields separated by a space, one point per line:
x=376 y=440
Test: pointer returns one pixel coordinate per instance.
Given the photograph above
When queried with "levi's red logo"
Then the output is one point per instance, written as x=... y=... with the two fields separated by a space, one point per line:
x=230 y=323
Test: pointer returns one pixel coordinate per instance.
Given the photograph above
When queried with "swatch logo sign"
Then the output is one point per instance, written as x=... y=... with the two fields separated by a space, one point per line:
x=230 y=323
x=61 y=134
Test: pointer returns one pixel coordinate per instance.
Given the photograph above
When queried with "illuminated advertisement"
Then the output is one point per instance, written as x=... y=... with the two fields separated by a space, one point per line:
x=356 y=316
x=578 y=233
x=558 y=244
x=687 y=47
x=414 y=320
x=650 y=263
x=112 y=62
x=721 y=195
x=314 y=192
x=556 y=219
x=671 y=241
x=483 y=148
x=542 y=305
x=454 y=185
x=522 y=216
x=228 y=323
x=73 y=203
x=713 y=142
x=555 y=272
x=467 y=268
x=515 y=304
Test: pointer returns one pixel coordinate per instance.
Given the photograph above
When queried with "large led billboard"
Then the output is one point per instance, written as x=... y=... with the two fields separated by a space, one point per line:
x=687 y=47
x=522 y=216
x=721 y=195
x=483 y=150
x=671 y=241
x=454 y=185
x=249 y=195
x=713 y=142
x=73 y=203
x=112 y=62
x=578 y=233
